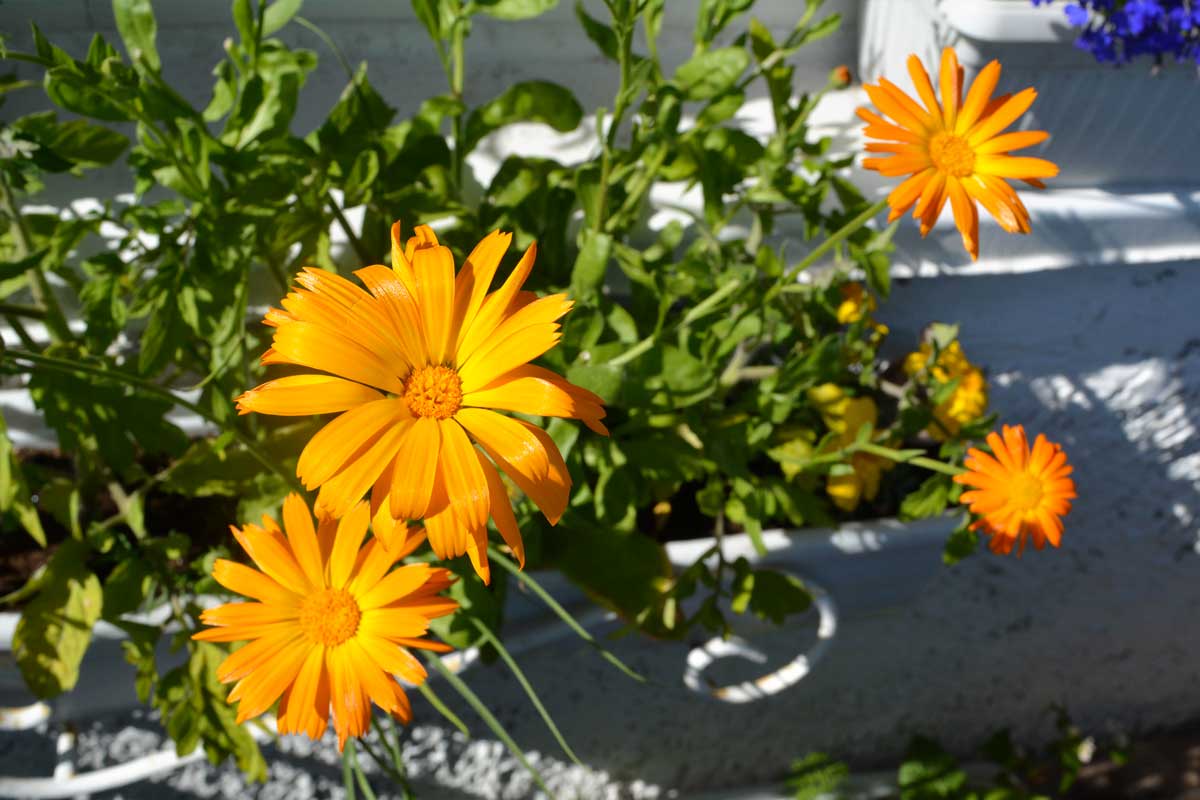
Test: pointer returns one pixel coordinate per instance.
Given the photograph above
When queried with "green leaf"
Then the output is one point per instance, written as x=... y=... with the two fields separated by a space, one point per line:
x=135 y=22
x=816 y=777
x=929 y=773
x=278 y=14
x=601 y=35
x=14 y=492
x=67 y=89
x=928 y=500
x=126 y=587
x=429 y=12
x=709 y=74
x=528 y=101
x=963 y=542
x=591 y=264
x=516 y=9
x=88 y=145
x=56 y=627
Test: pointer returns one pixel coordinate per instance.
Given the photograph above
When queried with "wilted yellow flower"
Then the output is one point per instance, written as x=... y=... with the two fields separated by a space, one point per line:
x=856 y=303
x=845 y=416
x=969 y=400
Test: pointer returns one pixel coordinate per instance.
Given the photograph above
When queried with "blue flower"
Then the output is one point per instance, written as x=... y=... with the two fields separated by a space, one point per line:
x=1118 y=31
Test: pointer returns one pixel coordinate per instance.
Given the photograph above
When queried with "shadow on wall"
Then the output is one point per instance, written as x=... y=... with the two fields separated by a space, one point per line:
x=1104 y=360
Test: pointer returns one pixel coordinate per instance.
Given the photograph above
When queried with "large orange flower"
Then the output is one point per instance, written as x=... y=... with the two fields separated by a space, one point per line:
x=953 y=150
x=1019 y=493
x=332 y=622
x=418 y=365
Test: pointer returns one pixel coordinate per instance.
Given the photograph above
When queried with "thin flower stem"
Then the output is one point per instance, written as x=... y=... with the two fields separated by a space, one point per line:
x=349 y=757
x=486 y=715
x=457 y=76
x=535 y=587
x=836 y=237
x=43 y=295
x=900 y=456
x=435 y=701
x=518 y=673
x=392 y=770
x=62 y=365
x=329 y=42
x=608 y=140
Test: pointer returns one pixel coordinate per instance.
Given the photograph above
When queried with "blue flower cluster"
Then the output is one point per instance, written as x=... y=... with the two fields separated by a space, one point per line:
x=1118 y=31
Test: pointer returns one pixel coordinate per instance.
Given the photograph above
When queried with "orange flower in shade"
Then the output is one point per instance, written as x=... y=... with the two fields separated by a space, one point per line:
x=331 y=623
x=953 y=150
x=1017 y=492
x=418 y=365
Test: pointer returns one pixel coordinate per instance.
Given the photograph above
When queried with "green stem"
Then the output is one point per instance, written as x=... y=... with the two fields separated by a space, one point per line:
x=905 y=458
x=486 y=715
x=488 y=636
x=694 y=313
x=16 y=310
x=62 y=365
x=512 y=569
x=458 y=70
x=22 y=334
x=349 y=757
x=39 y=286
x=609 y=140
x=360 y=250
x=835 y=238
x=435 y=701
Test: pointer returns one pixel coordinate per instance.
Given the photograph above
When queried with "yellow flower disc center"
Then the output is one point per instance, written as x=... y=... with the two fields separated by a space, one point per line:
x=1026 y=492
x=330 y=617
x=952 y=154
x=433 y=391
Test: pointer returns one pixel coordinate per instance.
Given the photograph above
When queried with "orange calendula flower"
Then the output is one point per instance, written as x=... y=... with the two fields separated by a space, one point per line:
x=1018 y=492
x=331 y=623
x=418 y=365
x=951 y=148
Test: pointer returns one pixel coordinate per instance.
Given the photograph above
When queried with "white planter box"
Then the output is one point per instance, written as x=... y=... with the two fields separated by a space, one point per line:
x=1107 y=125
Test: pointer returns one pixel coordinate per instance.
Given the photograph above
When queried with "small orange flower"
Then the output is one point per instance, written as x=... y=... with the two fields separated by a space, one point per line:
x=418 y=366
x=953 y=150
x=1018 y=492
x=332 y=622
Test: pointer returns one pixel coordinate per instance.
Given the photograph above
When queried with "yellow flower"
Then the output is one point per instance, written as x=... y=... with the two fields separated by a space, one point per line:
x=856 y=303
x=1019 y=493
x=418 y=365
x=845 y=416
x=332 y=621
x=967 y=403
x=952 y=148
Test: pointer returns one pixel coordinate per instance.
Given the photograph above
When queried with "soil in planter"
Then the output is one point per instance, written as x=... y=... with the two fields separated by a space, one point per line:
x=204 y=520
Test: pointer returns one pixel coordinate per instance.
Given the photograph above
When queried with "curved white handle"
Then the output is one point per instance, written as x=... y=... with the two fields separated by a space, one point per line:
x=700 y=658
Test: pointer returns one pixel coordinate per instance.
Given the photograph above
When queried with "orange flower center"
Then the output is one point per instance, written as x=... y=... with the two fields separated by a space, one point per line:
x=1025 y=492
x=330 y=617
x=433 y=391
x=952 y=154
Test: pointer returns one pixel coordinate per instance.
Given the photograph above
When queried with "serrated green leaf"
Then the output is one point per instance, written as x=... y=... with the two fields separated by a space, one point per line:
x=56 y=627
